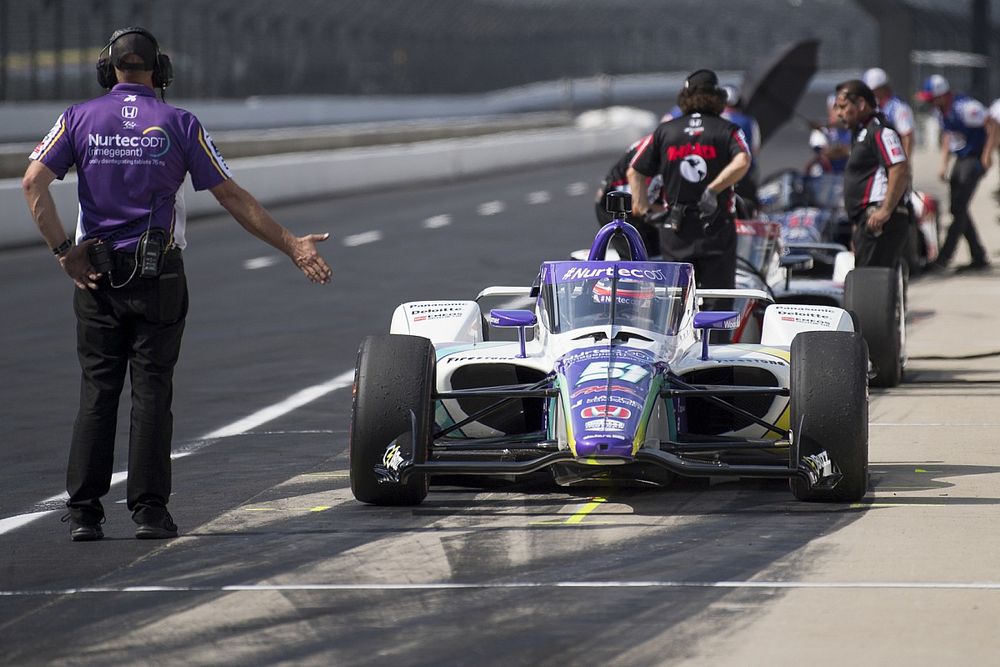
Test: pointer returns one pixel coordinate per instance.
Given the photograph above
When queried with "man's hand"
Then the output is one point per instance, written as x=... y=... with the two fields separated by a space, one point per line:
x=877 y=219
x=307 y=257
x=987 y=160
x=943 y=175
x=709 y=203
x=76 y=263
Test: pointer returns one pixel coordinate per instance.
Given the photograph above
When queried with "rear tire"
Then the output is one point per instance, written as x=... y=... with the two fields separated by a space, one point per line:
x=829 y=410
x=875 y=295
x=394 y=378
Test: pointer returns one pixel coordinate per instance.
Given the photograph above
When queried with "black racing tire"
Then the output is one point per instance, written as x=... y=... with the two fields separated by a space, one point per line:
x=829 y=410
x=875 y=295
x=394 y=378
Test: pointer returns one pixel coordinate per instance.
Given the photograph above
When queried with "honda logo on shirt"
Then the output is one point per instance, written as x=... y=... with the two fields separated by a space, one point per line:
x=130 y=112
x=605 y=411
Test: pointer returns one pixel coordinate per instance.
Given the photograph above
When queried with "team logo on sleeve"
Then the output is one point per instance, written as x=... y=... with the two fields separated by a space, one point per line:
x=694 y=168
x=50 y=138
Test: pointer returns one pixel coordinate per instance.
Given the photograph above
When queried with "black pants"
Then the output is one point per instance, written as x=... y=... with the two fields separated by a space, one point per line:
x=965 y=177
x=889 y=247
x=136 y=328
x=712 y=251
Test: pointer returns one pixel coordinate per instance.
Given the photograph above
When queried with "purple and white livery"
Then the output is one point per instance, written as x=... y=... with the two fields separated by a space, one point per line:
x=611 y=378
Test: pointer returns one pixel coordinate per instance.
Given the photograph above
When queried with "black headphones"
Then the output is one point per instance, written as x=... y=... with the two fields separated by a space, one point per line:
x=163 y=70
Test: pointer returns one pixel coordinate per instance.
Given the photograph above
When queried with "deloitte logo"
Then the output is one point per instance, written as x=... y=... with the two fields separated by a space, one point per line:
x=157 y=139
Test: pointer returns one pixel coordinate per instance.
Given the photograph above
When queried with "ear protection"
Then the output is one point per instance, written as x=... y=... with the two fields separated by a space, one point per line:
x=163 y=69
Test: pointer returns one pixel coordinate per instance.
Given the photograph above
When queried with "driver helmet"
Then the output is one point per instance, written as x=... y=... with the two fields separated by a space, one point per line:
x=633 y=297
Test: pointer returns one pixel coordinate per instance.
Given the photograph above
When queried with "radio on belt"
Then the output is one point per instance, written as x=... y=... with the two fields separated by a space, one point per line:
x=151 y=247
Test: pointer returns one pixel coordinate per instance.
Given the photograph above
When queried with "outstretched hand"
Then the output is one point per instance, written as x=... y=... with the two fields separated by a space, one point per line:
x=307 y=257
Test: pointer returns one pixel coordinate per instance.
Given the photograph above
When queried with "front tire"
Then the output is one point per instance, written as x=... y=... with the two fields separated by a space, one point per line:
x=393 y=384
x=829 y=410
x=875 y=295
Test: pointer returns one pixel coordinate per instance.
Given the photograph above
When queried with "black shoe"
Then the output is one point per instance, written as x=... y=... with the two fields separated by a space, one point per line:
x=981 y=265
x=154 y=524
x=84 y=530
x=935 y=268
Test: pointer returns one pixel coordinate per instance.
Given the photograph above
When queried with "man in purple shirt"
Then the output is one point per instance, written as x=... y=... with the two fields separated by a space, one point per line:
x=132 y=153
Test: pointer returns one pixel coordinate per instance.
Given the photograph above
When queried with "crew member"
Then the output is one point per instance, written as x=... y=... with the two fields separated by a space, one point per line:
x=132 y=153
x=962 y=120
x=617 y=181
x=992 y=139
x=876 y=179
x=736 y=114
x=831 y=144
x=701 y=156
x=897 y=113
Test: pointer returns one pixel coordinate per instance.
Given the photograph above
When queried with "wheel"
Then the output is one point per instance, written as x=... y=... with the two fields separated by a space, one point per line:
x=393 y=384
x=829 y=410
x=875 y=294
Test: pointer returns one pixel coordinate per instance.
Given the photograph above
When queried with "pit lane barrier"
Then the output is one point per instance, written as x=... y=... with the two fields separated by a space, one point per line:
x=299 y=176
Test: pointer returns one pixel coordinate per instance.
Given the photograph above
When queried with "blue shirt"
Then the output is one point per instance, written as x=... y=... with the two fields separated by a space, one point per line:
x=966 y=124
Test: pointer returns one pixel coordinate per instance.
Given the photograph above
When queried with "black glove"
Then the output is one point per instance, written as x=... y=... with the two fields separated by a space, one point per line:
x=708 y=205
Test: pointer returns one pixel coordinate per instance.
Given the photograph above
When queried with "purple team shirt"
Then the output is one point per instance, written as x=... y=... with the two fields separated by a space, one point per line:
x=132 y=152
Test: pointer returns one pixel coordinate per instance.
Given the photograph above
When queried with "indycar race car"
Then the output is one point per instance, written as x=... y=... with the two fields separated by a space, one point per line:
x=801 y=220
x=612 y=379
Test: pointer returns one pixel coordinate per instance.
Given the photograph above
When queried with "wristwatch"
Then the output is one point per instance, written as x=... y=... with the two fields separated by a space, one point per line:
x=62 y=248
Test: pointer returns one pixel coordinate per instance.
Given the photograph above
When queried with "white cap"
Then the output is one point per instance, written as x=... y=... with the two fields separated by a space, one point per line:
x=935 y=86
x=732 y=95
x=875 y=78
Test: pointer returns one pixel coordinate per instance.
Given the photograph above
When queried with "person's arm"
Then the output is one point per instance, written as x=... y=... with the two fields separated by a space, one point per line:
x=255 y=219
x=640 y=198
x=992 y=141
x=907 y=141
x=945 y=157
x=731 y=173
x=75 y=261
x=899 y=180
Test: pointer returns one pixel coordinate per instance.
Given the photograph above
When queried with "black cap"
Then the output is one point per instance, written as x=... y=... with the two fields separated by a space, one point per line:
x=703 y=78
x=138 y=43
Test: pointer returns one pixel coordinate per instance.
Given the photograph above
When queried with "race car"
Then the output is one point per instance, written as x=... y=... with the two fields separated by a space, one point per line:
x=810 y=209
x=801 y=220
x=612 y=379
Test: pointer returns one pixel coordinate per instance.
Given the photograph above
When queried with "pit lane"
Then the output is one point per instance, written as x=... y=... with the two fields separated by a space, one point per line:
x=276 y=563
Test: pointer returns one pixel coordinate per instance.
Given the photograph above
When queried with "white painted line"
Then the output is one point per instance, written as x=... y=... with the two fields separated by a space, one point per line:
x=816 y=585
x=491 y=208
x=260 y=262
x=293 y=402
x=437 y=221
x=540 y=197
x=362 y=238
x=577 y=189
x=270 y=413
x=938 y=424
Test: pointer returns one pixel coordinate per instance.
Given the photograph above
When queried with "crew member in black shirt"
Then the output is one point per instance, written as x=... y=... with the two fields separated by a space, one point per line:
x=617 y=181
x=875 y=179
x=701 y=156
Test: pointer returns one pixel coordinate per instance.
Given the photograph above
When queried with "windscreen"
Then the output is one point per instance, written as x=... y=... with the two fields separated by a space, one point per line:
x=645 y=295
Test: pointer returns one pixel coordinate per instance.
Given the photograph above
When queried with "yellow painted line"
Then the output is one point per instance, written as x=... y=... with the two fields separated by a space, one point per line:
x=317 y=508
x=582 y=513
